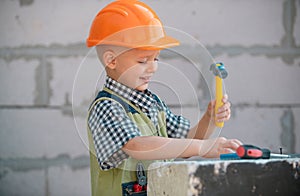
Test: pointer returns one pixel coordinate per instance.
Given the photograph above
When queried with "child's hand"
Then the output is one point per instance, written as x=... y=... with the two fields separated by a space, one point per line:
x=212 y=148
x=223 y=113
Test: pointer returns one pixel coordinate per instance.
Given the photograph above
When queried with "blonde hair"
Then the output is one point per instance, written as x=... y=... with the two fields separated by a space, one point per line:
x=101 y=49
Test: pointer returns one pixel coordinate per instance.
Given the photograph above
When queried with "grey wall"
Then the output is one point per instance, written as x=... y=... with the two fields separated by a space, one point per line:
x=48 y=78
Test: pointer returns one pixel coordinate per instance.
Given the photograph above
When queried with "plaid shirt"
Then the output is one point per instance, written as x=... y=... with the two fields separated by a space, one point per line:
x=111 y=127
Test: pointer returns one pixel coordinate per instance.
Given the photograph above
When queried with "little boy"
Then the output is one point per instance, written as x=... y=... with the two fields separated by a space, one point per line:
x=129 y=126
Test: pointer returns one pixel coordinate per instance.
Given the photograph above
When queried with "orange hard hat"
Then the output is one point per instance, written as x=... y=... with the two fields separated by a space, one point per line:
x=129 y=23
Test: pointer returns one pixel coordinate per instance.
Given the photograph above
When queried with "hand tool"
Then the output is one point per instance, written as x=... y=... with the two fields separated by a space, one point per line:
x=248 y=151
x=141 y=184
x=220 y=73
x=141 y=174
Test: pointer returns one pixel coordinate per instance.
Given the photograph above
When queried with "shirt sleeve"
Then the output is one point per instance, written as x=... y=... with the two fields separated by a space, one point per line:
x=111 y=129
x=177 y=126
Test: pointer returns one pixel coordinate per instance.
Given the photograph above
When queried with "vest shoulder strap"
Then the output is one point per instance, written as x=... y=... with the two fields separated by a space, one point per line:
x=106 y=94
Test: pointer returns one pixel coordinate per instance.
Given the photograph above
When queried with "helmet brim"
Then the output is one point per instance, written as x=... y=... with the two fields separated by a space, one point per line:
x=148 y=37
x=163 y=43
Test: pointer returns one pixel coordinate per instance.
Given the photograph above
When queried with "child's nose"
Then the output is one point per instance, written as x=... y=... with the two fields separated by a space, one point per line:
x=152 y=67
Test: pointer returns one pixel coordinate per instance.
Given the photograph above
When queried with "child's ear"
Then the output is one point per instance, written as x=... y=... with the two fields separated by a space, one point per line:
x=109 y=58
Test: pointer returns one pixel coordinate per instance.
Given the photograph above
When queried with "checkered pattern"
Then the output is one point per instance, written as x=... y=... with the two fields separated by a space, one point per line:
x=112 y=128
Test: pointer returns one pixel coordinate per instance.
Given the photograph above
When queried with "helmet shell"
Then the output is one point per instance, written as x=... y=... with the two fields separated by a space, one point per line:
x=129 y=23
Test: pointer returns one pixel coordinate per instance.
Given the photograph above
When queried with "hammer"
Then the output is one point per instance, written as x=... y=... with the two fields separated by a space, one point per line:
x=220 y=73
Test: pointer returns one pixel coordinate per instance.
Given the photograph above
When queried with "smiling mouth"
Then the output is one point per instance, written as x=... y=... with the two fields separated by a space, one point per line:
x=146 y=79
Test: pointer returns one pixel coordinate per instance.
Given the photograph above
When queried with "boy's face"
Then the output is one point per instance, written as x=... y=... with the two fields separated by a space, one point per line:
x=135 y=67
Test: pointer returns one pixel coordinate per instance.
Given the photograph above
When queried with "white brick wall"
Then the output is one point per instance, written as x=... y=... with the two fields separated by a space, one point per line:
x=35 y=133
x=297 y=24
x=297 y=128
x=45 y=22
x=176 y=81
x=256 y=126
x=18 y=81
x=225 y=22
x=23 y=183
x=263 y=80
x=75 y=72
x=64 y=181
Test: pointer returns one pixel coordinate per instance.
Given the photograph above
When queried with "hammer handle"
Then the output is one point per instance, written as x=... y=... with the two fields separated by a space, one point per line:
x=219 y=96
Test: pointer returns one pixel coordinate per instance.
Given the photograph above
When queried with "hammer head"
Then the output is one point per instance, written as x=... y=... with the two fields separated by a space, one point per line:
x=218 y=69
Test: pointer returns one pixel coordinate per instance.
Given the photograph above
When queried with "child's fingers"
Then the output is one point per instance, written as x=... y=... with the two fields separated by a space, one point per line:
x=225 y=98
x=224 y=118
x=227 y=145
x=238 y=142
x=224 y=107
x=232 y=144
x=227 y=151
x=224 y=114
x=212 y=148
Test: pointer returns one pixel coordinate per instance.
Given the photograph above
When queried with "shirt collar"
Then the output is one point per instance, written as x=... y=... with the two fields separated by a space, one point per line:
x=142 y=99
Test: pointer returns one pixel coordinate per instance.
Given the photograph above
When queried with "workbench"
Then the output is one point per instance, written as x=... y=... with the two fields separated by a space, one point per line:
x=230 y=177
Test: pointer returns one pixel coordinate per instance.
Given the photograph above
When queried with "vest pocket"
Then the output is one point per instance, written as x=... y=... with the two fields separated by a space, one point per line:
x=133 y=188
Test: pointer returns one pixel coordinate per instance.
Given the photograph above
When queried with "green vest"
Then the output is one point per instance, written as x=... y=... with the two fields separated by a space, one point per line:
x=109 y=183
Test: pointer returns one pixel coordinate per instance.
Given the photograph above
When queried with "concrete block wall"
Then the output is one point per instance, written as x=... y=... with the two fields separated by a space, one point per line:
x=48 y=78
x=225 y=178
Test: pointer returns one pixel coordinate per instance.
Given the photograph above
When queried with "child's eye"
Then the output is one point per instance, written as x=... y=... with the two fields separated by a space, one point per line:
x=146 y=60
x=142 y=62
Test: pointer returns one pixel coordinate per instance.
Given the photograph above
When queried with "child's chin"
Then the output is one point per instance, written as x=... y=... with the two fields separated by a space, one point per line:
x=142 y=87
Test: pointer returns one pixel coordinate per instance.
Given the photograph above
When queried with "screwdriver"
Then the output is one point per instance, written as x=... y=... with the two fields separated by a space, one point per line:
x=248 y=151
